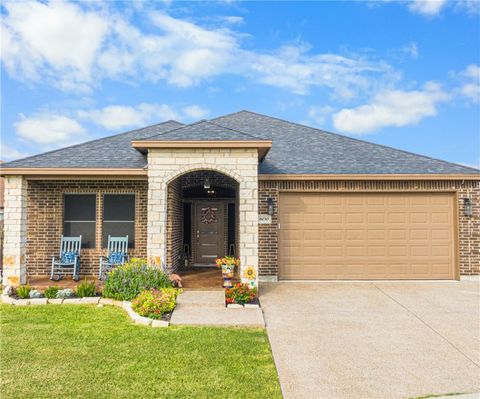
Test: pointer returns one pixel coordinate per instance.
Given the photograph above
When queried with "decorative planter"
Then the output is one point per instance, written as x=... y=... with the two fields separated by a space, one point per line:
x=227 y=274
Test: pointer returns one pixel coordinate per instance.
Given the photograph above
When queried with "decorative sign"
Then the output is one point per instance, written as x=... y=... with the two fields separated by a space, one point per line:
x=209 y=215
x=264 y=219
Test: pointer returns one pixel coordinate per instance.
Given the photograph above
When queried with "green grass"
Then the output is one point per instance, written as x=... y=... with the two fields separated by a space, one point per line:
x=88 y=352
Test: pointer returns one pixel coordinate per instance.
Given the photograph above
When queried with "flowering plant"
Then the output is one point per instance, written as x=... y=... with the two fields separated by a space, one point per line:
x=227 y=260
x=240 y=293
x=154 y=303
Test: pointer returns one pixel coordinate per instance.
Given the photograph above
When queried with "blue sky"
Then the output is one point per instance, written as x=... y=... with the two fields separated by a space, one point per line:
x=404 y=74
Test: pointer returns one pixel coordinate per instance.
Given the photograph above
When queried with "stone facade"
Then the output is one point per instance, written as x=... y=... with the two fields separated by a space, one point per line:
x=45 y=221
x=165 y=165
x=469 y=226
x=15 y=231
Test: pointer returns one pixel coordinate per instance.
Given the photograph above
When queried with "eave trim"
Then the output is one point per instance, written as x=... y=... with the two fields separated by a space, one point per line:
x=369 y=177
x=73 y=171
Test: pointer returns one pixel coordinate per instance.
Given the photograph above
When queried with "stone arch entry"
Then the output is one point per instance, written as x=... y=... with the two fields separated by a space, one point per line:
x=201 y=223
x=166 y=165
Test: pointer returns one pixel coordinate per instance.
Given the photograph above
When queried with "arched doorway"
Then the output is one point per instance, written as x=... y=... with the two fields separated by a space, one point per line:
x=202 y=220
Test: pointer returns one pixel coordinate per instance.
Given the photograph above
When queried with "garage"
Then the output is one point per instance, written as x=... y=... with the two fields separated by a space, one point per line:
x=367 y=236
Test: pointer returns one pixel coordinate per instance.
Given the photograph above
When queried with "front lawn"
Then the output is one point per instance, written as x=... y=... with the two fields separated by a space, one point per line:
x=88 y=352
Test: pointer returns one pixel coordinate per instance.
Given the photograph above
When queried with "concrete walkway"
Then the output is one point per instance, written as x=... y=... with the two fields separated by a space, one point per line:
x=207 y=308
x=374 y=340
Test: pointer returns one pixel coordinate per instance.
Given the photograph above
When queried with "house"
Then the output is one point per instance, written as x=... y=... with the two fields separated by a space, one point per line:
x=292 y=201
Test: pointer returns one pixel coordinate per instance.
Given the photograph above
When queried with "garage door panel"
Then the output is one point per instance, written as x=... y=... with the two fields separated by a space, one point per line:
x=366 y=236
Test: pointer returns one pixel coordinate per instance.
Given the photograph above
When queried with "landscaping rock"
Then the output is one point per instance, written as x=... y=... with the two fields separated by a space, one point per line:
x=73 y=301
x=38 y=301
x=160 y=323
x=141 y=320
x=90 y=300
x=7 y=290
x=55 y=301
x=22 y=302
x=8 y=300
x=107 y=301
x=100 y=305
x=251 y=306
x=234 y=306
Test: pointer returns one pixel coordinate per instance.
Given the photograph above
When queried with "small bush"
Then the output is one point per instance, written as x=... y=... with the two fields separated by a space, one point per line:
x=240 y=293
x=126 y=282
x=23 y=291
x=154 y=303
x=35 y=294
x=51 y=292
x=64 y=294
x=86 y=288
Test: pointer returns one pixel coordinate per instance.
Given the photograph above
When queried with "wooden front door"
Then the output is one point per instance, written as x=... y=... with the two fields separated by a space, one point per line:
x=210 y=232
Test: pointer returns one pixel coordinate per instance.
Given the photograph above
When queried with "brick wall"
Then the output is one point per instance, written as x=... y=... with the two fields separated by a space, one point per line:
x=469 y=227
x=45 y=221
x=174 y=226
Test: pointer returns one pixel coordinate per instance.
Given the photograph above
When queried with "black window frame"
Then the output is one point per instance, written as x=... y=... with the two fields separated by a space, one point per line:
x=72 y=223
x=107 y=222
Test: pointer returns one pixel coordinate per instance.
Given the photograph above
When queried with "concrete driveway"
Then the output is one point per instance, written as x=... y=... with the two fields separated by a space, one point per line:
x=374 y=339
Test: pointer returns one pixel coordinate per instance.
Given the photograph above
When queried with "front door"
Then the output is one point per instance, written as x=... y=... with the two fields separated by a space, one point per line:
x=210 y=232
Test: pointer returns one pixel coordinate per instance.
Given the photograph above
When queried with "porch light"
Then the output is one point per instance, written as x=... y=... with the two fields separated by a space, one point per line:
x=270 y=206
x=206 y=184
x=467 y=207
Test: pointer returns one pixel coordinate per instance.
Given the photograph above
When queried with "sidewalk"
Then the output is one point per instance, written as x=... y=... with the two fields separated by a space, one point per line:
x=207 y=308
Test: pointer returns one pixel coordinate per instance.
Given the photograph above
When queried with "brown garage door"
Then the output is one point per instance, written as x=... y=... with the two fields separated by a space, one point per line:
x=367 y=236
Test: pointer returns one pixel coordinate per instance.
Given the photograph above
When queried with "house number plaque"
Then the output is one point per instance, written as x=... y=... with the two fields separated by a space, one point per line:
x=264 y=219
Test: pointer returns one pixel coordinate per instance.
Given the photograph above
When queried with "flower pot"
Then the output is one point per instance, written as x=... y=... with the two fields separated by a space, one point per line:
x=227 y=274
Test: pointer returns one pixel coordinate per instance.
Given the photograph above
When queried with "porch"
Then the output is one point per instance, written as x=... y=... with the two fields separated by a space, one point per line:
x=195 y=279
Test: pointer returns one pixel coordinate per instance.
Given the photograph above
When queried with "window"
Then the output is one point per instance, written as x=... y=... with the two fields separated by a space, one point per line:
x=80 y=217
x=119 y=217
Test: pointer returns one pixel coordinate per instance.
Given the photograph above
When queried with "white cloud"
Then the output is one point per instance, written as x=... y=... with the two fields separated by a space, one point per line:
x=291 y=68
x=8 y=153
x=391 y=108
x=120 y=116
x=234 y=20
x=74 y=46
x=58 y=39
x=428 y=8
x=195 y=112
x=50 y=130
x=115 y=117
x=470 y=87
x=319 y=114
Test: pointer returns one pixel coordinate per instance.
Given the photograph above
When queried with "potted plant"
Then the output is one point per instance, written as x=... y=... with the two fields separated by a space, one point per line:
x=227 y=264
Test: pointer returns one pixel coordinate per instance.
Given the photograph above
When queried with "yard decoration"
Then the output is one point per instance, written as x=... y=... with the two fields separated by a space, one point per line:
x=227 y=264
x=249 y=274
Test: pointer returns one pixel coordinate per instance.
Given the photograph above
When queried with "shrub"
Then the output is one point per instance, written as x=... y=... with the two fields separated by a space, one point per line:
x=35 y=294
x=23 y=291
x=64 y=294
x=125 y=282
x=154 y=303
x=86 y=288
x=51 y=292
x=240 y=293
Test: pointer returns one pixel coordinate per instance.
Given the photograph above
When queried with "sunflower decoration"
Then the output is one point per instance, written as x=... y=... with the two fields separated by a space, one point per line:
x=249 y=273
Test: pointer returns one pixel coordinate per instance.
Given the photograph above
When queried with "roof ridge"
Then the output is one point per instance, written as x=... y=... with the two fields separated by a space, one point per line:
x=236 y=130
x=199 y=122
x=172 y=130
x=355 y=139
x=88 y=142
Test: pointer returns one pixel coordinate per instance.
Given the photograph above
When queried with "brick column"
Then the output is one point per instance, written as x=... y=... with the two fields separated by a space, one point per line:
x=15 y=231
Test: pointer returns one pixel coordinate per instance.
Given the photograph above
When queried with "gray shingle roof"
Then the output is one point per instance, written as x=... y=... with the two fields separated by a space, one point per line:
x=108 y=152
x=203 y=130
x=296 y=149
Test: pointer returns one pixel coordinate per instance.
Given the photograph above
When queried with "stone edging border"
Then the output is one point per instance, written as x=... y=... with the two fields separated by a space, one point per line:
x=125 y=305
